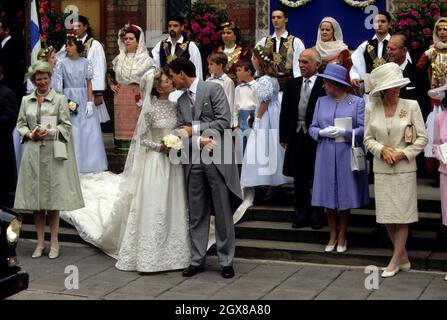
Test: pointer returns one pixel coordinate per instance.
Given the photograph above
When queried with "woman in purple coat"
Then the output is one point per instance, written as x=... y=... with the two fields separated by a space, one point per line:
x=335 y=186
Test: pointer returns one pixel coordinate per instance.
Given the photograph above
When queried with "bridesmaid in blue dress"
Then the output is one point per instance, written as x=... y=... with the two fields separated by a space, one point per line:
x=76 y=73
x=336 y=187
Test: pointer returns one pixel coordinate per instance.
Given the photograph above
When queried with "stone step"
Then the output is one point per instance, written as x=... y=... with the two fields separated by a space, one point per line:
x=357 y=236
x=358 y=218
x=354 y=256
x=65 y=234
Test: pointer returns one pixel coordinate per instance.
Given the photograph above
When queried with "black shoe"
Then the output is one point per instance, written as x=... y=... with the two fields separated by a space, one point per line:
x=299 y=224
x=316 y=226
x=192 y=271
x=228 y=272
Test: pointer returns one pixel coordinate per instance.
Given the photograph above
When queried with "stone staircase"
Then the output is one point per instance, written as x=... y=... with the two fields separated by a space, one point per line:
x=265 y=231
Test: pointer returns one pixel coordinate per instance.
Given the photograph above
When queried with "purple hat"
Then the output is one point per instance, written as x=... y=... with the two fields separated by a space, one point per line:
x=335 y=72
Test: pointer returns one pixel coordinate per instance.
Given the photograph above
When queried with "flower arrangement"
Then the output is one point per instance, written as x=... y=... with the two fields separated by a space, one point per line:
x=202 y=23
x=52 y=23
x=359 y=4
x=172 y=142
x=416 y=22
x=294 y=4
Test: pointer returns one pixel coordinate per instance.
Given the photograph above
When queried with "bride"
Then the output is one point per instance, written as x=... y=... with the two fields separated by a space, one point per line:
x=140 y=217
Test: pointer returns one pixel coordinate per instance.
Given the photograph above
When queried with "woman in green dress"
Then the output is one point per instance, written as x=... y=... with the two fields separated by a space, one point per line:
x=46 y=184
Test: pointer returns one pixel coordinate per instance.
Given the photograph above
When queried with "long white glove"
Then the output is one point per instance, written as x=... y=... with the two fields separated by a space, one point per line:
x=89 y=109
x=329 y=132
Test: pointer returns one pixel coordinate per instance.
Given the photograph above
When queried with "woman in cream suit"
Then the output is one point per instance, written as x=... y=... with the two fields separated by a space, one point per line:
x=386 y=118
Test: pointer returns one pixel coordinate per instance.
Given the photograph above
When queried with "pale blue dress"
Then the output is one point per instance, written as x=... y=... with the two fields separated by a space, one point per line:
x=264 y=156
x=87 y=135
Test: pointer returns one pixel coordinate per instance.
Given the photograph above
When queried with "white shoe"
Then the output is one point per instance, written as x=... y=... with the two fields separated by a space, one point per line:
x=54 y=253
x=388 y=274
x=341 y=249
x=405 y=266
x=445 y=278
x=330 y=247
x=38 y=252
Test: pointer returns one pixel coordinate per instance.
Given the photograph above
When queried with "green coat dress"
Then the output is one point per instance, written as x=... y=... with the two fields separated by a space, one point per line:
x=46 y=183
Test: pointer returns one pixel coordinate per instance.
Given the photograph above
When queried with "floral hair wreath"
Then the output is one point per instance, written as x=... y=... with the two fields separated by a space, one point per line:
x=45 y=52
x=127 y=27
x=74 y=37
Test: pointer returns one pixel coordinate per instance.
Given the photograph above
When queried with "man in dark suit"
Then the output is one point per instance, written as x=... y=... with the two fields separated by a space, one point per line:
x=397 y=49
x=8 y=119
x=213 y=186
x=10 y=59
x=297 y=109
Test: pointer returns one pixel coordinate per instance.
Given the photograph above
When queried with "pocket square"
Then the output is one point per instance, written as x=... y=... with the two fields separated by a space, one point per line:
x=410 y=88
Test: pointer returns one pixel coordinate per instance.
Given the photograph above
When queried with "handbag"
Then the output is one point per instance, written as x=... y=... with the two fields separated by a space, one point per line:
x=410 y=133
x=358 y=162
x=60 y=148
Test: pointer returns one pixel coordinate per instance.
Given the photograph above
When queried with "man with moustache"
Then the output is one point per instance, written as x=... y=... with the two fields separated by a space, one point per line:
x=177 y=46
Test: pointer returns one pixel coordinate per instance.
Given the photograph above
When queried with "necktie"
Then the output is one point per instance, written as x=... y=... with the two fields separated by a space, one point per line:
x=192 y=102
x=302 y=107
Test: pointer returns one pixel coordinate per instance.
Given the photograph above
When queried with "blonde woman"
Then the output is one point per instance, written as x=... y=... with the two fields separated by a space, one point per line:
x=46 y=184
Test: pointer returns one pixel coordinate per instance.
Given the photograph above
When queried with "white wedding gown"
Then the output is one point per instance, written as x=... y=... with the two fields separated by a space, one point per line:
x=146 y=229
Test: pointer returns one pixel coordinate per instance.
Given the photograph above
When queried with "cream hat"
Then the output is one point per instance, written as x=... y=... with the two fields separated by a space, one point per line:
x=387 y=76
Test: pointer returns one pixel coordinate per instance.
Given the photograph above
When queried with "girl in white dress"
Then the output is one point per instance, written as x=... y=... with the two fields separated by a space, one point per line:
x=140 y=217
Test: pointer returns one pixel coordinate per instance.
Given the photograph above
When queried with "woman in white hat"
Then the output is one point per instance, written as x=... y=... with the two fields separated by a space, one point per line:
x=395 y=149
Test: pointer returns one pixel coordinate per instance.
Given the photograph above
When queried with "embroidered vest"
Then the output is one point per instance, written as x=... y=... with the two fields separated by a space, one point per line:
x=372 y=61
x=284 y=57
x=87 y=45
x=181 y=50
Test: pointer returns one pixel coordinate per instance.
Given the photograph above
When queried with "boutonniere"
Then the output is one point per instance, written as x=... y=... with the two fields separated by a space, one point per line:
x=269 y=43
x=165 y=45
x=184 y=46
x=370 y=48
x=403 y=113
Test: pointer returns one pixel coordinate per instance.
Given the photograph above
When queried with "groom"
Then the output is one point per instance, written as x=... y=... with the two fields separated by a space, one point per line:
x=213 y=186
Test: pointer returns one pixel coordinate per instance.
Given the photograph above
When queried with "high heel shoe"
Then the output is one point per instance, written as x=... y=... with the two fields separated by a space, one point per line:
x=38 y=252
x=389 y=274
x=54 y=253
x=342 y=249
x=330 y=247
x=405 y=266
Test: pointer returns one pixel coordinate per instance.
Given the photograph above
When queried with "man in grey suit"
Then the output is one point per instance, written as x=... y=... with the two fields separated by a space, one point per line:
x=211 y=172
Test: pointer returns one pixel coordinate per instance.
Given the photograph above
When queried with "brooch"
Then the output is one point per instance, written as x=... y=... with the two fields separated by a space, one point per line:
x=184 y=46
x=351 y=101
x=370 y=48
x=165 y=45
x=403 y=113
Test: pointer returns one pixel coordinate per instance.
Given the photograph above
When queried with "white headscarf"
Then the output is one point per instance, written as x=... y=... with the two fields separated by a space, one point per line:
x=331 y=49
x=438 y=43
x=130 y=69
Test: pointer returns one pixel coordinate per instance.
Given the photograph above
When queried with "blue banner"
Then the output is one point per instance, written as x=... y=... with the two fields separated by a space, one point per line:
x=304 y=21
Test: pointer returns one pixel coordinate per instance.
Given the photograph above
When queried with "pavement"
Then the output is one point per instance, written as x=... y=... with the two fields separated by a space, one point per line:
x=82 y=272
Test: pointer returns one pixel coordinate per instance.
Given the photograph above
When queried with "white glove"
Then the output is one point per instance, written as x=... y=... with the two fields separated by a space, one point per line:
x=329 y=132
x=340 y=131
x=89 y=109
x=256 y=123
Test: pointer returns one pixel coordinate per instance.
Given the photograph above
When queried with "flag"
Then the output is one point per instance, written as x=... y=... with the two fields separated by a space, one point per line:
x=34 y=31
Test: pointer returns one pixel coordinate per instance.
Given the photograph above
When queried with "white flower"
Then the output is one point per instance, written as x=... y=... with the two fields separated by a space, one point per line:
x=172 y=142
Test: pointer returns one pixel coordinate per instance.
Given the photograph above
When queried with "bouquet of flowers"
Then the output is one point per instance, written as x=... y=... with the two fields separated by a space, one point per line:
x=416 y=22
x=202 y=23
x=172 y=142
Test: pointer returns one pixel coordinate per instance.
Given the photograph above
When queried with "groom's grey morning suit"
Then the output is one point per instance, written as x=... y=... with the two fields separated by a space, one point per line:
x=211 y=187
